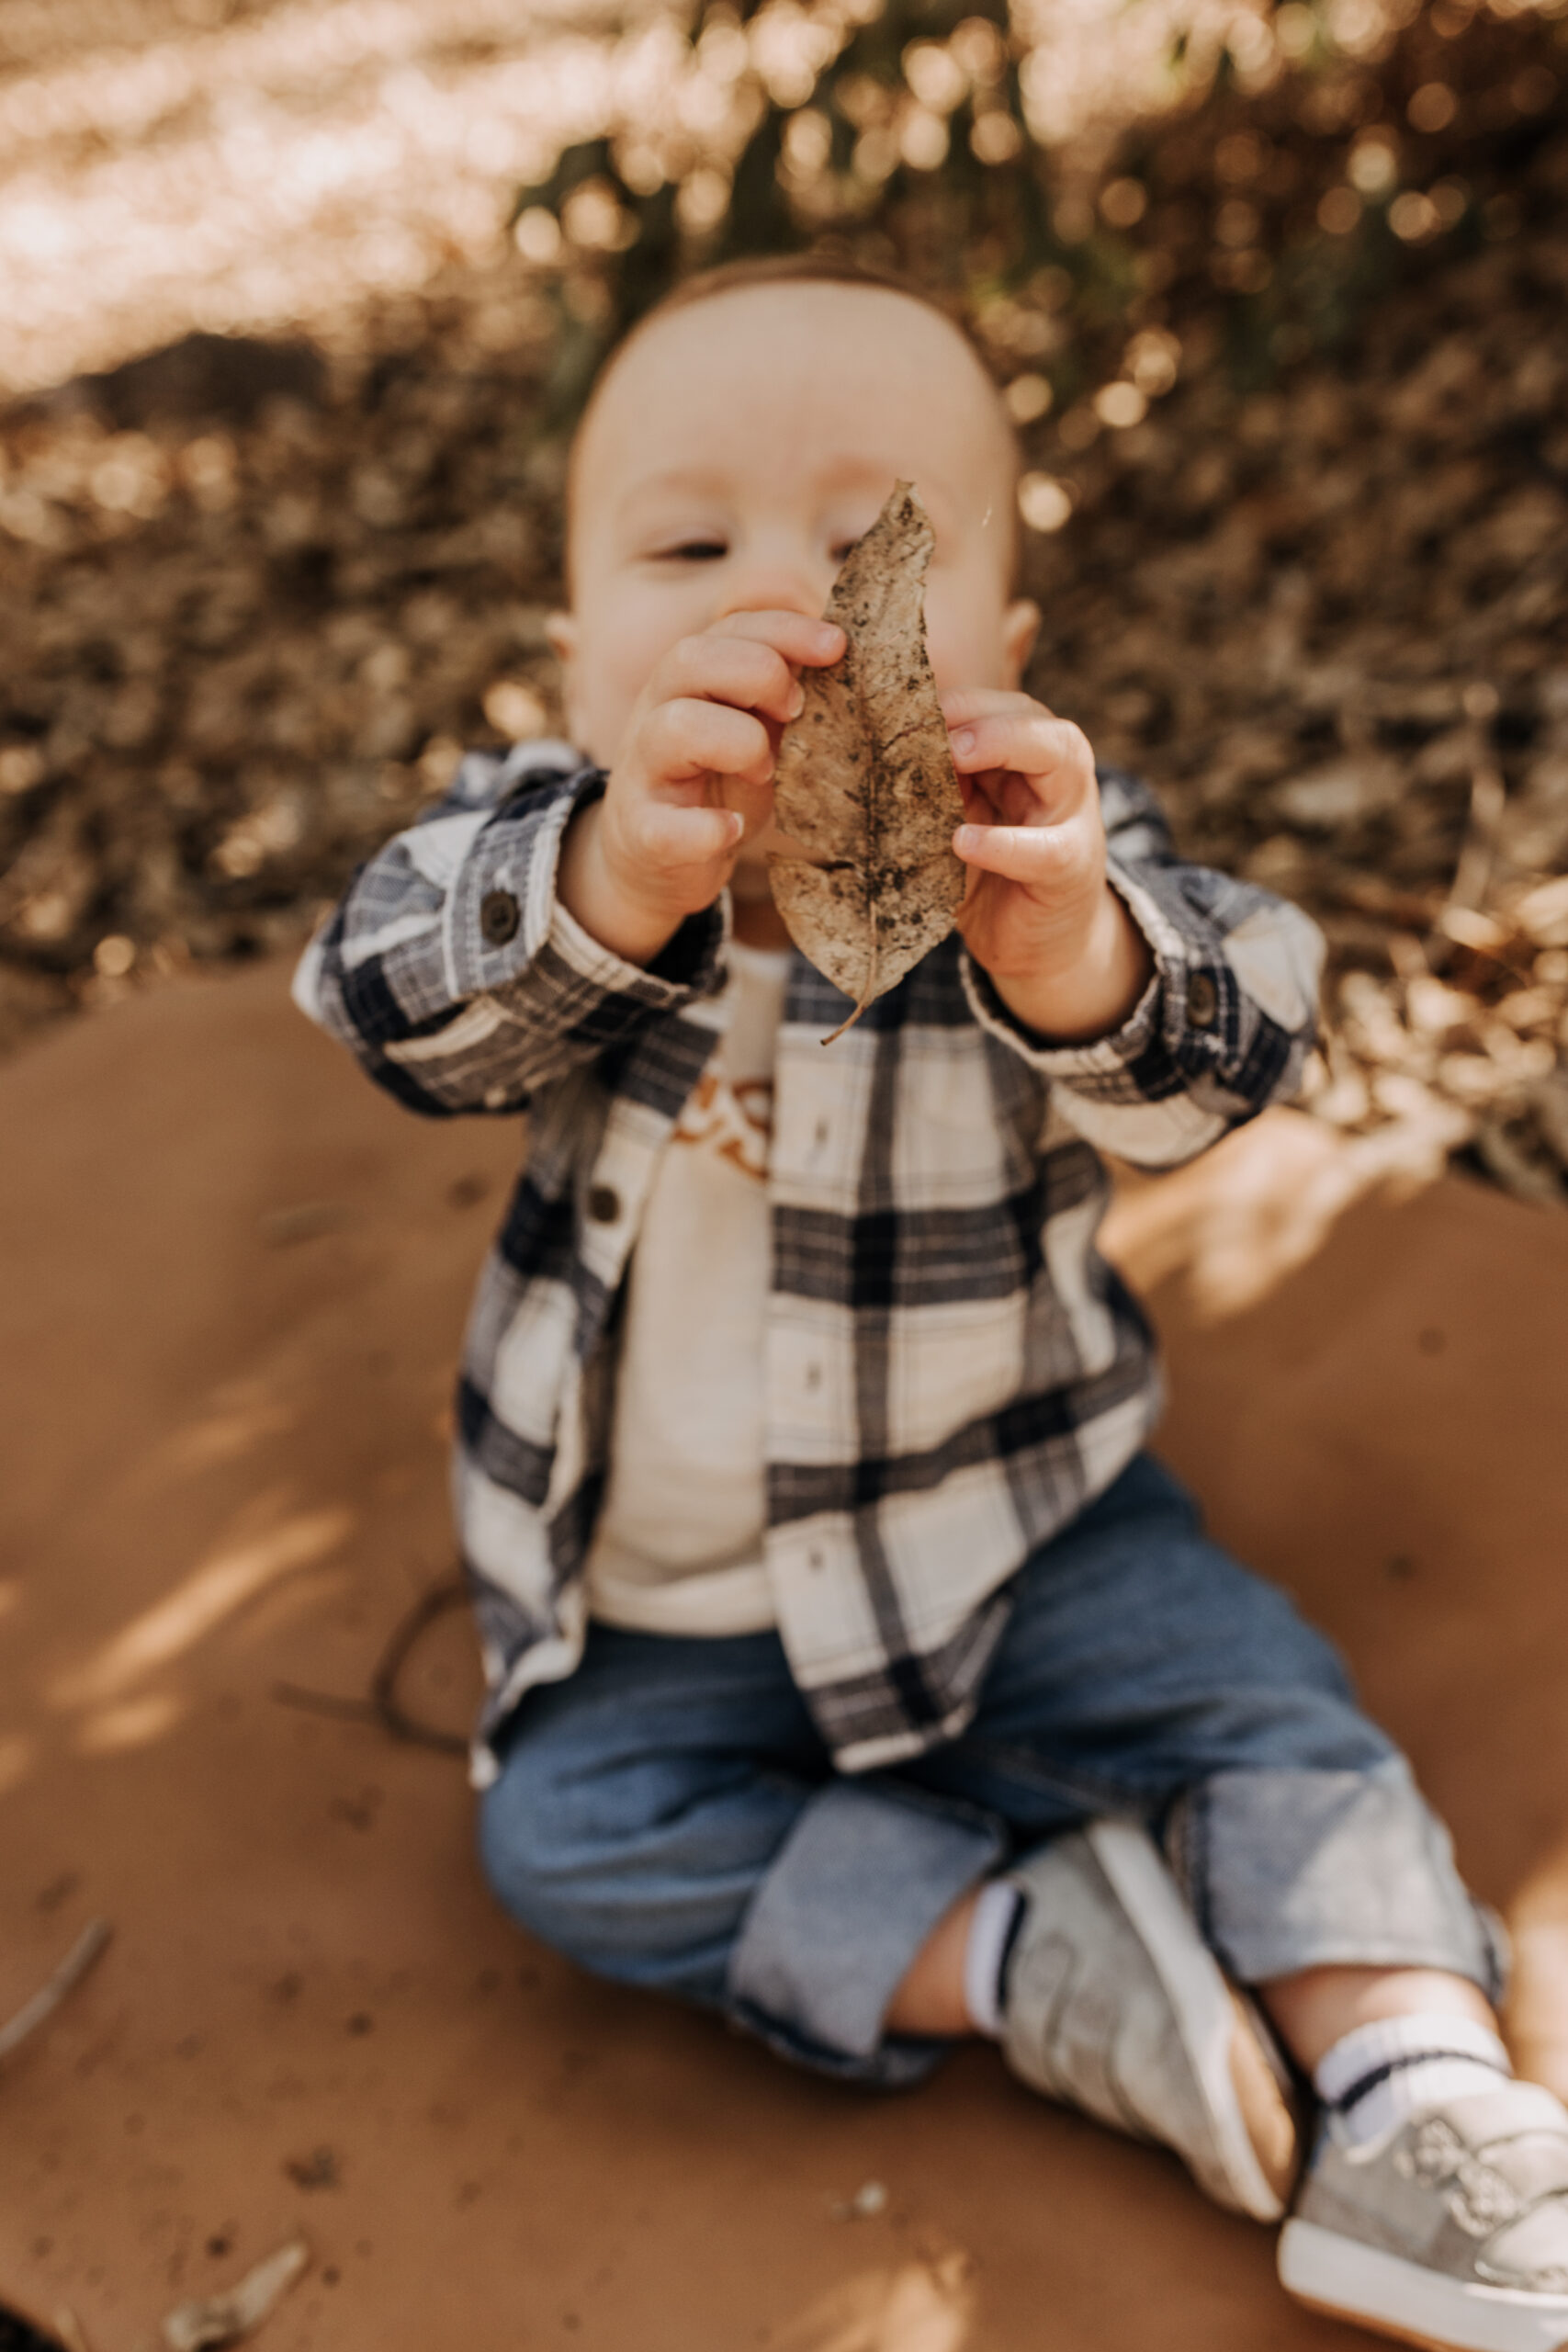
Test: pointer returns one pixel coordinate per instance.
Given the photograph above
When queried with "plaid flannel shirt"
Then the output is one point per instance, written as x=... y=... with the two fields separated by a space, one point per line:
x=952 y=1371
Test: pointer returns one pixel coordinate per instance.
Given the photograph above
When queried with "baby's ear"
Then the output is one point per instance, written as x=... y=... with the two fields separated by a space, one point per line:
x=560 y=630
x=1019 y=630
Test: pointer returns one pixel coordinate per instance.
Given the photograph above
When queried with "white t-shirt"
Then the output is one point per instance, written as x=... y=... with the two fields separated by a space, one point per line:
x=677 y=1548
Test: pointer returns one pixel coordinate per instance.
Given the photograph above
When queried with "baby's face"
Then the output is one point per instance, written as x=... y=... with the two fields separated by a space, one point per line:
x=736 y=452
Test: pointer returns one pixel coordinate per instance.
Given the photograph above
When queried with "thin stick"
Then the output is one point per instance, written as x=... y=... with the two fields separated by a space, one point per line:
x=84 y=1955
x=384 y=1706
x=326 y=1703
x=1474 y=871
x=395 y=1656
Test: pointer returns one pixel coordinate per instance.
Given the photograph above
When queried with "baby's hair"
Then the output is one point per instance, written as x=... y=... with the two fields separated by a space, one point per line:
x=814 y=268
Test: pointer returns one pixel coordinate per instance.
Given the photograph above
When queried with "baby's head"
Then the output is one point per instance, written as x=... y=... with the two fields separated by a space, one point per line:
x=741 y=438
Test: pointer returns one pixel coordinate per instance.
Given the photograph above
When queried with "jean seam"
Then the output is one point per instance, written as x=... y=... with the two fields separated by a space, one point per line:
x=1096 y=1795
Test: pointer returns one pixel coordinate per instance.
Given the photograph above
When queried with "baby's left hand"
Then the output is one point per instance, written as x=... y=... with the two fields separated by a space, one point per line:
x=1065 y=953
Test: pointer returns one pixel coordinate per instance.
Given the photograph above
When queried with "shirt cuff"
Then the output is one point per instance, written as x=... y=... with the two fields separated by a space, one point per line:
x=1165 y=989
x=503 y=909
x=689 y=965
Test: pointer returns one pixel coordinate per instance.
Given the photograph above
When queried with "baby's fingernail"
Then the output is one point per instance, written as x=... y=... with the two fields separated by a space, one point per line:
x=964 y=739
x=967 y=839
x=797 y=700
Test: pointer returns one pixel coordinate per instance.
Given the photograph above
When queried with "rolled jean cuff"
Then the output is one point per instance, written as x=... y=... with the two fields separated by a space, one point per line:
x=854 y=1891
x=1287 y=1869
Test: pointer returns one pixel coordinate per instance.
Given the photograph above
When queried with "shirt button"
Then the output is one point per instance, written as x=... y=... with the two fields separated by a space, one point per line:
x=500 y=917
x=603 y=1204
x=1202 y=1000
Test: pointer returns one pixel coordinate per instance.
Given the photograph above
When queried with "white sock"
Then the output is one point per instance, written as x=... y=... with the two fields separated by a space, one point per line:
x=1381 y=2073
x=990 y=1932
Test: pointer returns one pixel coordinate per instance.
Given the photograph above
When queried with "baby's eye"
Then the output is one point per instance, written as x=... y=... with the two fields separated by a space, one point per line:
x=693 y=550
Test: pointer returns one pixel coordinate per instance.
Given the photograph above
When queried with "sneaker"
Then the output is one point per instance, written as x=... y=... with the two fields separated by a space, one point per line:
x=1113 y=2004
x=1451 y=2231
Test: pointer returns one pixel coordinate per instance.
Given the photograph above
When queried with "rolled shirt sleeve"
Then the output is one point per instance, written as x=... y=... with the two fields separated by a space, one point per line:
x=1223 y=1028
x=451 y=968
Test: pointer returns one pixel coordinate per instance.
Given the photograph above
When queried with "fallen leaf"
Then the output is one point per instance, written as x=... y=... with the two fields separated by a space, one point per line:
x=224 y=2319
x=865 y=783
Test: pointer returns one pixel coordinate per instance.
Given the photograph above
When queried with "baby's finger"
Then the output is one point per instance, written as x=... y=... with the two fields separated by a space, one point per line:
x=742 y=672
x=1051 y=752
x=689 y=739
x=1041 y=857
x=667 y=838
x=797 y=636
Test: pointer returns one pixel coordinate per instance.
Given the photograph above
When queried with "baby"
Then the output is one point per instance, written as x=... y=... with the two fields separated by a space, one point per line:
x=851 y=1667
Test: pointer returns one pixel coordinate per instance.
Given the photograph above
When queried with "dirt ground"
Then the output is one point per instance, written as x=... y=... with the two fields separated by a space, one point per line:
x=231 y=1284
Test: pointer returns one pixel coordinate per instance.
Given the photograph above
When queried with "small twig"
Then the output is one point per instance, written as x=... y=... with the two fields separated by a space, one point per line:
x=399 y=1647
x=326 y=1703
x=1472 y=874
x=1474 y=871
x=84 y=1955
x=383 y=1707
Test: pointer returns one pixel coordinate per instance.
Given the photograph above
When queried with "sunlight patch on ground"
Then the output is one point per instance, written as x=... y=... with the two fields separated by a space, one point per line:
x=1258 y=1206
x=271 y=172
x=134 y=1724
x=15 y=1757
x=278 y=170
x=211 y=1593
x=1537 y=2013
x=919 y=2307
x=220 y=1437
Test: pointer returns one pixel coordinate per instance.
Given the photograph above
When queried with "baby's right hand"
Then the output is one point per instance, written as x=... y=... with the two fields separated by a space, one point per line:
x=693 y=779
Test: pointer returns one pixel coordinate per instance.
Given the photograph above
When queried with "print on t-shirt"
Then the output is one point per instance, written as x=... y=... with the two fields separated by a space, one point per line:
x=734 y=1120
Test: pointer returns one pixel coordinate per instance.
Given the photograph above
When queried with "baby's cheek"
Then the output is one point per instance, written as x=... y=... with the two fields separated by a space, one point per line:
x=965 y=630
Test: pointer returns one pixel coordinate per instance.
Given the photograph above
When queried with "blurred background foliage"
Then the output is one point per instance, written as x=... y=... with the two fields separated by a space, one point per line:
x=1277 y=295
x=1294 y=164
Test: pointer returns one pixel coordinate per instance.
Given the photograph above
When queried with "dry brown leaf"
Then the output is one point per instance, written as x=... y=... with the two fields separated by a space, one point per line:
x=865 y=782
x=224 y=2319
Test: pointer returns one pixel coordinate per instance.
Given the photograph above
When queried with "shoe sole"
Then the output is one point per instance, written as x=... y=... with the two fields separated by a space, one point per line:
x=1383 y=2292
x=1201 y=2000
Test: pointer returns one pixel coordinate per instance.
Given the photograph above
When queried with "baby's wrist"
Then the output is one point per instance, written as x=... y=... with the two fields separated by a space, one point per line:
x=621 y=918
x=1076 y=993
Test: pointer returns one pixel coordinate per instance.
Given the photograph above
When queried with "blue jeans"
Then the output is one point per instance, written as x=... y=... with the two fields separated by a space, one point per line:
x=669 y=1817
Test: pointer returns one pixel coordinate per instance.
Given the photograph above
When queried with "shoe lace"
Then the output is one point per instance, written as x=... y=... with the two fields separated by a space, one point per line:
x=1475 y=2192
